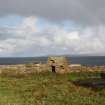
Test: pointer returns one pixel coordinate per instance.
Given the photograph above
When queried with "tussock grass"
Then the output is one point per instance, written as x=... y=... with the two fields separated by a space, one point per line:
x=47 y=89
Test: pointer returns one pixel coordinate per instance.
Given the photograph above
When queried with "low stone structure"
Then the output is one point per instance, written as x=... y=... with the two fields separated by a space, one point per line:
x=58 y=64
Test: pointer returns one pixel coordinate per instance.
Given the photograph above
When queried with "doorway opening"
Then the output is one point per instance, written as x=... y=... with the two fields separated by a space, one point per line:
x=53 y=69
x=53 y=65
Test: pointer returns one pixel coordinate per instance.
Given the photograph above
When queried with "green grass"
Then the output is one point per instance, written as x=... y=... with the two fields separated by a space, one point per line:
x=47 y=89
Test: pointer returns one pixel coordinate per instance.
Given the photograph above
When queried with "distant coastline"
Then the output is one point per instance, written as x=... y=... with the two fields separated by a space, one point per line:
x=83 y=60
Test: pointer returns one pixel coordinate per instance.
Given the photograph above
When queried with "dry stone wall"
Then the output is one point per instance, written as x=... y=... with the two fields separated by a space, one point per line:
x=60 y=64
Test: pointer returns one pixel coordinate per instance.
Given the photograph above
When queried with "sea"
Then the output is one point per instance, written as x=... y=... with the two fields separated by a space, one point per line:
x=83 y=60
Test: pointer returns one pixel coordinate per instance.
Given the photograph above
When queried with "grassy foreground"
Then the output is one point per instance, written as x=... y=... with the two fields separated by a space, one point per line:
x=47 y=89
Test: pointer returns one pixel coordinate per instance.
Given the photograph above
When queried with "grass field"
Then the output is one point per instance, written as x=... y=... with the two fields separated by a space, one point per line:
x=48 y=89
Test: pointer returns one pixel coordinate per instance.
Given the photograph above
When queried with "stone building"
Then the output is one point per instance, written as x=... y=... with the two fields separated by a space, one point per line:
x=58 y=64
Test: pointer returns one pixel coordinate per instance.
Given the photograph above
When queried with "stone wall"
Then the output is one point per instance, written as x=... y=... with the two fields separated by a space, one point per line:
x=61 y=66
x=25 y=69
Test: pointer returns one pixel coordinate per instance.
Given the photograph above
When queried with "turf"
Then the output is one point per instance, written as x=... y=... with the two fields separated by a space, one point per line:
x=47 y=89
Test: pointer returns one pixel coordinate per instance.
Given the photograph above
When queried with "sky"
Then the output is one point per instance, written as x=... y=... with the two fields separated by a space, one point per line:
x=31 y=28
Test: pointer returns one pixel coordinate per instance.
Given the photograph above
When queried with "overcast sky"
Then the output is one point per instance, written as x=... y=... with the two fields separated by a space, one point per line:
x=52 y=27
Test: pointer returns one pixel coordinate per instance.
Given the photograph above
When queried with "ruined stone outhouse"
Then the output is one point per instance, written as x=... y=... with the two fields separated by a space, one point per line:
x=58 y=64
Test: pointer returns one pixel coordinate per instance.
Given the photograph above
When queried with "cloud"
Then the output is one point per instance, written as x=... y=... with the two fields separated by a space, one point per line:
x=85 y=12
x=47 y=27
x=27 y=39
